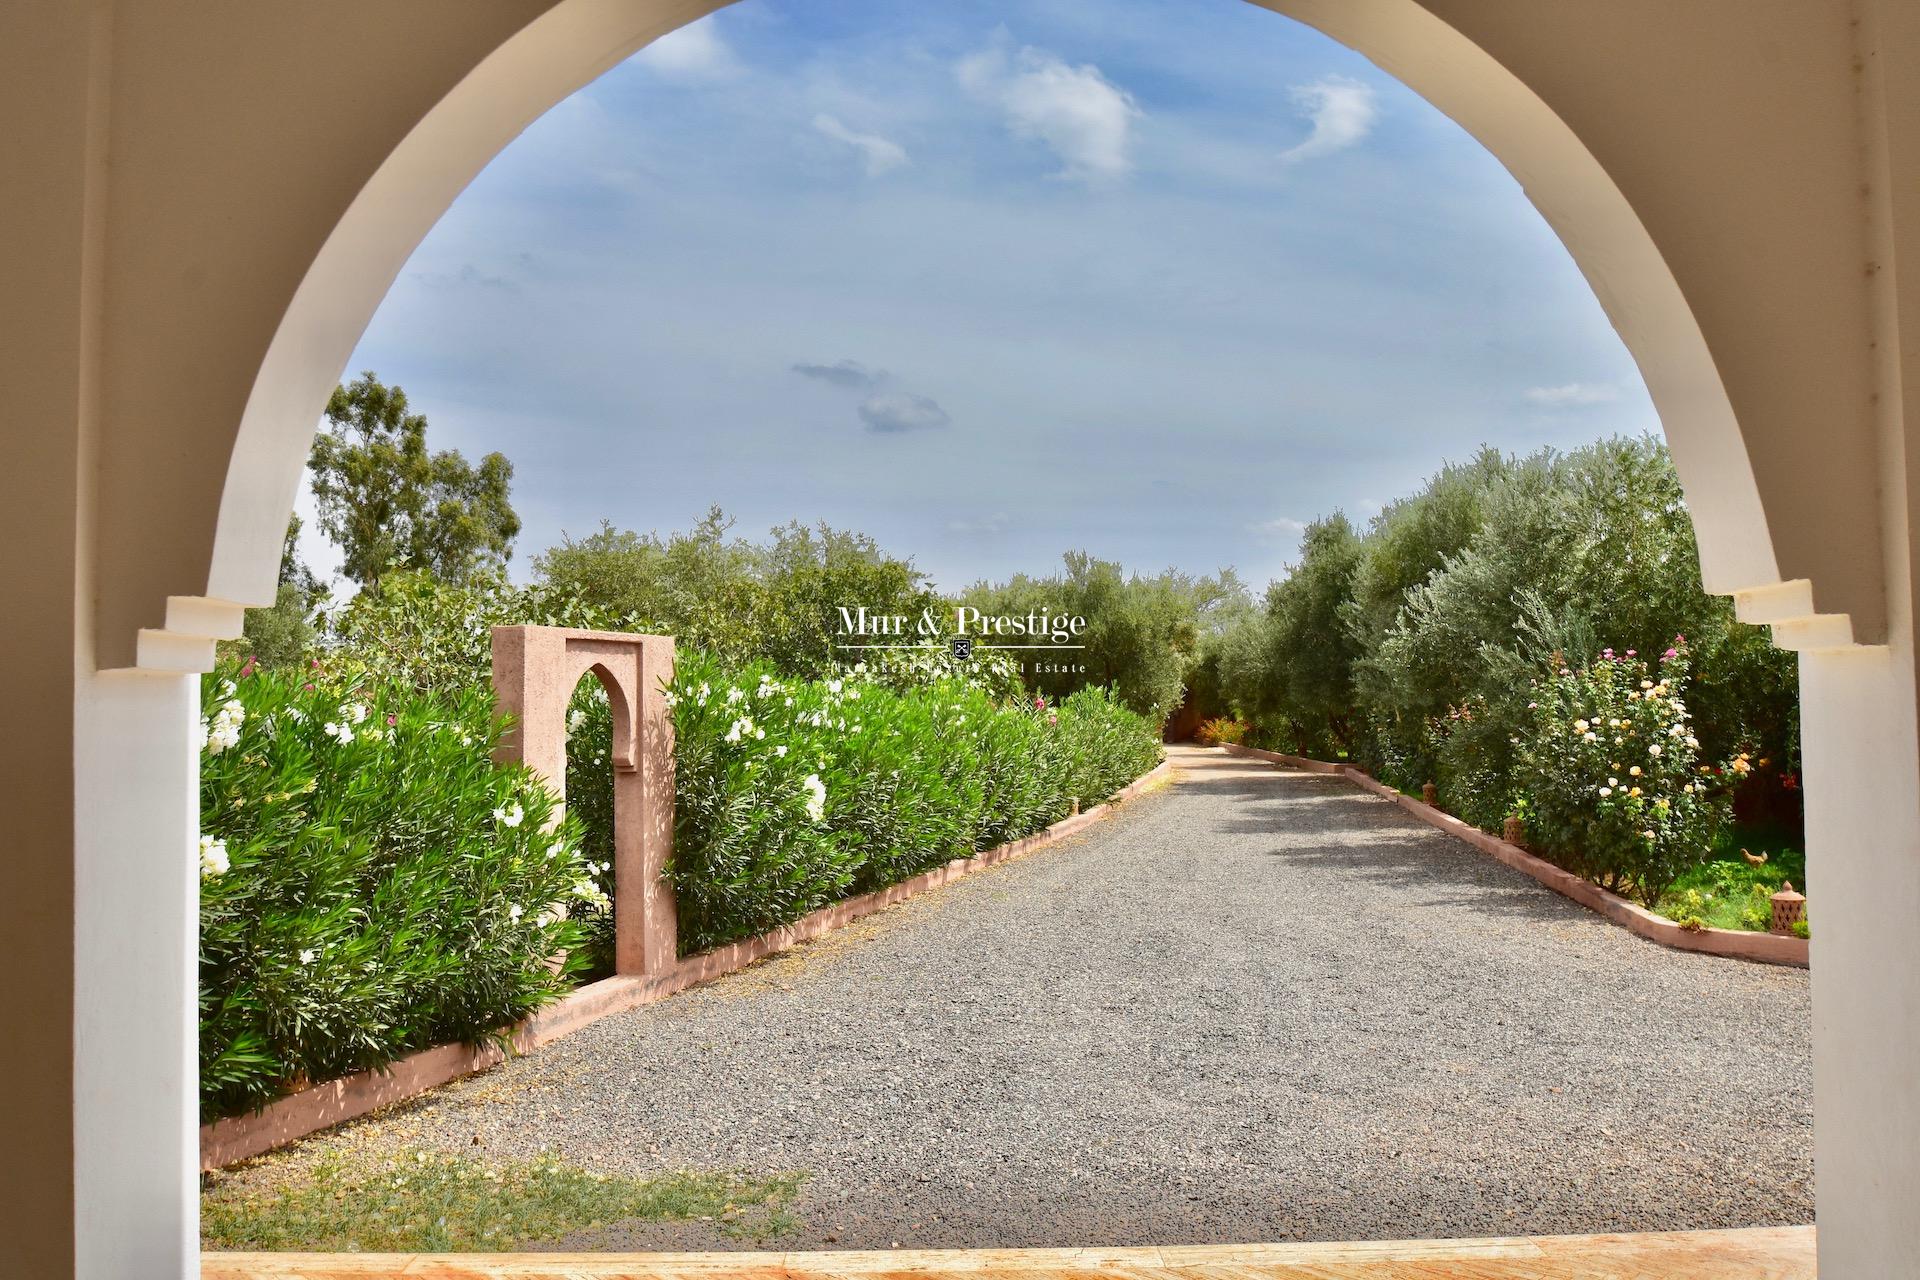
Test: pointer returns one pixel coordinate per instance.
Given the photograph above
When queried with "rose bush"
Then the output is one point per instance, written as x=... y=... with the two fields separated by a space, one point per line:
x=1611 y=777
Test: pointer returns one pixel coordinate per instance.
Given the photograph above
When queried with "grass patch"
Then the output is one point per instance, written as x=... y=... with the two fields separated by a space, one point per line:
x=433 y=1203
x=1730 y=893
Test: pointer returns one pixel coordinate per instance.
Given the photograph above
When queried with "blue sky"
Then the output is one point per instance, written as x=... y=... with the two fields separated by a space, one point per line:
x=1160 y=279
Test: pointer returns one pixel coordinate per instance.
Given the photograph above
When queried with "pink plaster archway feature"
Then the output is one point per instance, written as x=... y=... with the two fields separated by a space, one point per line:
x=535 y=670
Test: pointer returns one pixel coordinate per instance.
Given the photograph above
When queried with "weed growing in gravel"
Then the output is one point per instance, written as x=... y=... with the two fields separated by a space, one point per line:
x=423 y=1202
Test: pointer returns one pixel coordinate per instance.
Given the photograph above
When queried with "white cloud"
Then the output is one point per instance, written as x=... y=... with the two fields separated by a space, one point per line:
x=881 y=154
x=1342 y=112
x=900 y=411
x=1079 y=114
x=694 y=52
x=1284 y=527
x=1574 y=395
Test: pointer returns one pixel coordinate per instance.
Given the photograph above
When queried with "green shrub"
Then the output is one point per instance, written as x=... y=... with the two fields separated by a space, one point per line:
x=1610 y=774
x=774 y=601
x=371 y=883
x=1143 y=634
x=1106 y=745
x=793 y=794
x=1221 y=730
x=436 y=636
x=1439 y=604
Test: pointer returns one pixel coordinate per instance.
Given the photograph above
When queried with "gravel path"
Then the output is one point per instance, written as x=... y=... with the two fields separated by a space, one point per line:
x=1255 y=1005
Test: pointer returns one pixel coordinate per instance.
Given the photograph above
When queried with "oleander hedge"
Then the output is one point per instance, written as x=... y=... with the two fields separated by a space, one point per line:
x=793 y=794
x=373 y=884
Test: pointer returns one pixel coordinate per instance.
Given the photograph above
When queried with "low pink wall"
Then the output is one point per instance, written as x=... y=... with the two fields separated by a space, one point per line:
x=1767 y=948
x=298 y=1114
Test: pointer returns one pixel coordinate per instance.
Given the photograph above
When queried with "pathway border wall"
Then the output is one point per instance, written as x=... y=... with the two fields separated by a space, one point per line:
x=1766 y=948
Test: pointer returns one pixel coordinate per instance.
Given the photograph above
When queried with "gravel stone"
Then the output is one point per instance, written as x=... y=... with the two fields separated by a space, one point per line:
x=1254 y=1005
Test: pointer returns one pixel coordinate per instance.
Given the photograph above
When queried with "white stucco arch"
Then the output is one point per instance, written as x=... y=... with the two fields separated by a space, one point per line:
x=210 y=197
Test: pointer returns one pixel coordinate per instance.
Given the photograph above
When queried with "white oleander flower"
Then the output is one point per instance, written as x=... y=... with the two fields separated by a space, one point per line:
x=356 y=711
x=307 y=957
x=213 y=858
x=509 y=817
x=780 y=750
x=341 y=733
x=224 y=731
x=816 y=797
x=514 y=912
x=576 y=721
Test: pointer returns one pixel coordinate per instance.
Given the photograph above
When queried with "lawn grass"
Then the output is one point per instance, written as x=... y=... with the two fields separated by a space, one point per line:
x=1729 y=893
x=425 y=1202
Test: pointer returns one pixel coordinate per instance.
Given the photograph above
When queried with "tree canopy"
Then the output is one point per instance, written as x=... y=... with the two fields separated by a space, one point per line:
x=388 y=502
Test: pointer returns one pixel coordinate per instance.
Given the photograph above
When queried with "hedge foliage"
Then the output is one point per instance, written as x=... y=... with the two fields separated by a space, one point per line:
x=371 y=883
x=792 y=794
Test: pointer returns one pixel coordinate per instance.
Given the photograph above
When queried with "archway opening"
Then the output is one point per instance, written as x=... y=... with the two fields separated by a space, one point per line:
x=907 y=402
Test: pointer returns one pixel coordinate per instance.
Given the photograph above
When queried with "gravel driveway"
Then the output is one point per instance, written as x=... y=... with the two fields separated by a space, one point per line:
x=1255 y=1005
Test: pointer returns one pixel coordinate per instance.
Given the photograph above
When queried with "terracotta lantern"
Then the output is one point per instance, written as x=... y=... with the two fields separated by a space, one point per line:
x=1514 y=831
x=1788 y=908
x=1429 y=794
